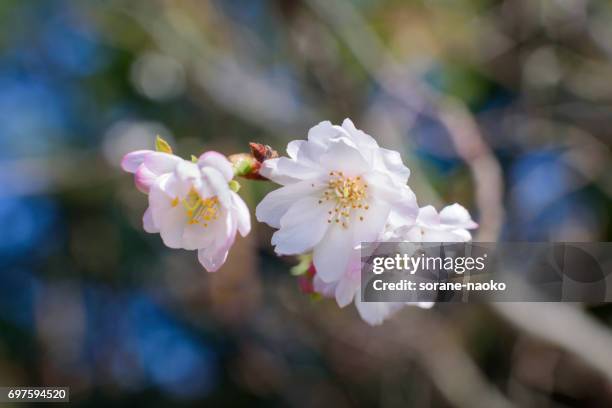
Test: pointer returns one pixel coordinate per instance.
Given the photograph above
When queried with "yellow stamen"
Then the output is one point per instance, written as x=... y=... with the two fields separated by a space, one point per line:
x=348 y=194
x=199 y=210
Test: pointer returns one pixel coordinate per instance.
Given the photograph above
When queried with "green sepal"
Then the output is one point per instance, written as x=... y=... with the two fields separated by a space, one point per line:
x=162 y=146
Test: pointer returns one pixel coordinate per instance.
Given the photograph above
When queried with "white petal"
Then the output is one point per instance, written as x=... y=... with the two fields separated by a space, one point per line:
x=147 y=222
x=214 y=184
x=323 y=288
x=412 y=234
x=170 y=220
x=332 y=255
x=293 y=148
x=462 y=235
x=306 y=152
x=161 y=163
x=399 y=196
x=277 y=203
x=242 y=213
x=133 y=160
x=373 y=224
x=361 y=138
x=286 y=171
x=440 y=235
x=374 y=313
x=214 y=256
x=187 y=171
x=196 y=236
x=162 y=192
x=219 y=162
x=212 y=260
x=269 y=170
x=428 y=216
x=347 y=289
x=391 y=162
x=171 y=225
x=457 y=216
x=324 y=132
x=302 y=227
x=341 y=156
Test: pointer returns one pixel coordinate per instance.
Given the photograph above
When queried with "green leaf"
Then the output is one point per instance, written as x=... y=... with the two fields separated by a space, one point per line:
x=194 y=159
x=162 y=146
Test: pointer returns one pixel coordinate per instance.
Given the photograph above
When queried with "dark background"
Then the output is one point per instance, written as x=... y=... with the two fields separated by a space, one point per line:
x=503 y=106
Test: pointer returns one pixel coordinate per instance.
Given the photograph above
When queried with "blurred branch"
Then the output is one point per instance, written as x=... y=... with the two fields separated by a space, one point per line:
x=443 y=358
x=566 y=326
x=427 y=339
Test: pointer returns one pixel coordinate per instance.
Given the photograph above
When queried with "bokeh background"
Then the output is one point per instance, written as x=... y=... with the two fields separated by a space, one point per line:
x=503 y=106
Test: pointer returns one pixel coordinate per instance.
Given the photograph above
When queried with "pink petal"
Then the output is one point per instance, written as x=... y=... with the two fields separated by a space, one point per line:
x=144 y=178
x=133 y=160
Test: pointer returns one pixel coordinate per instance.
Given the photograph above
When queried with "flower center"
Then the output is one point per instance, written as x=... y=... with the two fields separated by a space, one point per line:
x=348 y=194
x=199 y=210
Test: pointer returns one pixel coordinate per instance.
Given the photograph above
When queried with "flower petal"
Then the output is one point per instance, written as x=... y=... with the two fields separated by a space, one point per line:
x=347 y=289
x=243 y=216
x=391 y=162
x=324 y=132
x=215 y=255
x=332 y=255
x=374 y=313
x=324 y=288
x=196 y=236
x=168 y=218
x=147 y=222
x=171 y=226
x=144 y=178
x=428 y=216
x=277 y=203
x=214 y=184
x=341 y=156
x=212 y=260
x=293 y=148
x=457 y=216
x=302 y=227
x=161 y=163
x=286 y=171
x=373 y=224
x=219 y=162
x=133 y=160
x=360 y=138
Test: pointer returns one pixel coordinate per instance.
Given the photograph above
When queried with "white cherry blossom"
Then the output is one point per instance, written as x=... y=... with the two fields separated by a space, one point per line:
x=452 y=224
x=191 y=205
x=339 y=188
